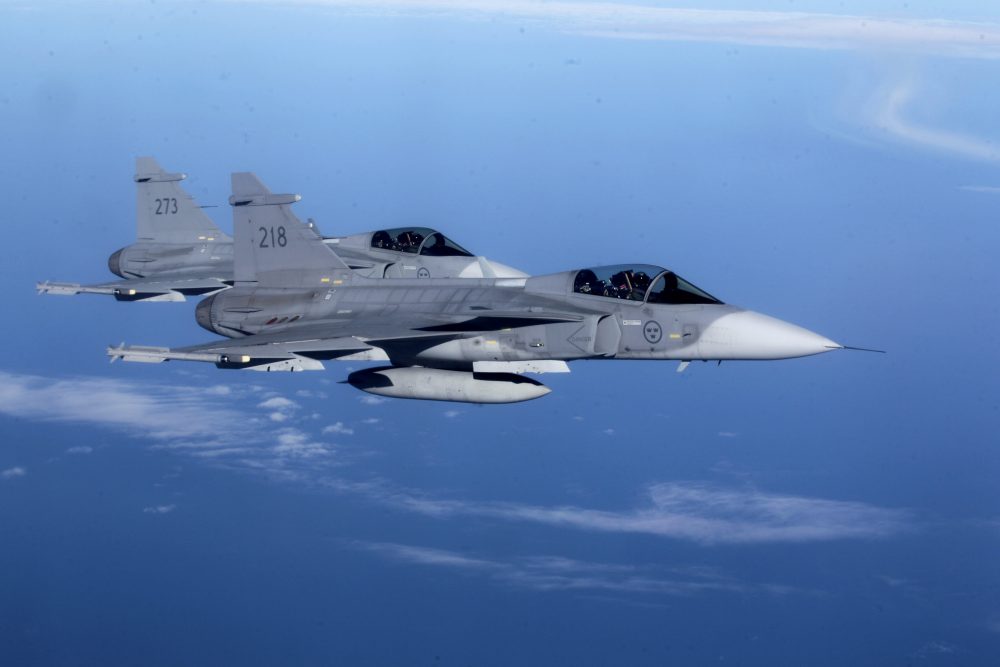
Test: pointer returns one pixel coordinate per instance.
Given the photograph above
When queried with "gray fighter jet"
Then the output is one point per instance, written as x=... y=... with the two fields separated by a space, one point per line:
x=296 y=304
x=414 y=252
x=180 y=252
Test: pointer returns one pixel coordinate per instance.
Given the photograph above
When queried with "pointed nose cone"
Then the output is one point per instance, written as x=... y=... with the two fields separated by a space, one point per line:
x=480 y=267
x=749 y=335
x=503 y=271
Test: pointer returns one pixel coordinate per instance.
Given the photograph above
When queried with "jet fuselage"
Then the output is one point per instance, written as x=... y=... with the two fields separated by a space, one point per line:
x=494 y=320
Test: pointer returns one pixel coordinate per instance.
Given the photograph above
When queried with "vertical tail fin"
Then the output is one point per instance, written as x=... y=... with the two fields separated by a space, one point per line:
x=272 y=246
x=164 y=212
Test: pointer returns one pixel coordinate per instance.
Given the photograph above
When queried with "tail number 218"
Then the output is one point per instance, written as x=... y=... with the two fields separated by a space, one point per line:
x=268 y=238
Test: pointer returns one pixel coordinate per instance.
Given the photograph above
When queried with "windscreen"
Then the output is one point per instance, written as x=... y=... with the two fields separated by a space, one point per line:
x=401 y=239
x=671 y=288
x=439 y=245
x=620 y=281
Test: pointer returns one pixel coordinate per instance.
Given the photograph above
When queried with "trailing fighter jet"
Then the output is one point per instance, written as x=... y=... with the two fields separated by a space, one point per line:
x=296 y=304
x=414 y=252
x=180 y=252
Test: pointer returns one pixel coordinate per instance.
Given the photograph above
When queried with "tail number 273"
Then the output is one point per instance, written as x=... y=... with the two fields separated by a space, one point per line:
x=166 y=206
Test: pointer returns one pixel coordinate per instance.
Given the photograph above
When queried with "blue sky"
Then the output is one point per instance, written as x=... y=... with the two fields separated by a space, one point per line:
x=835 y=167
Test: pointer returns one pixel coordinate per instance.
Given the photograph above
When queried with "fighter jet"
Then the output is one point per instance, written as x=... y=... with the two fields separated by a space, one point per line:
x=296 y=304
x=180 y=252
x=414 y=252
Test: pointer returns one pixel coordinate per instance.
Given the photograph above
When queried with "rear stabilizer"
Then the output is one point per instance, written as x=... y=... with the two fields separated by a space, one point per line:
x=165 y=213
x=272 y=246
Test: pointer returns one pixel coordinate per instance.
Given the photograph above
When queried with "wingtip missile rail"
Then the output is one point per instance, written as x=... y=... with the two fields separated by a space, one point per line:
x=154 y=355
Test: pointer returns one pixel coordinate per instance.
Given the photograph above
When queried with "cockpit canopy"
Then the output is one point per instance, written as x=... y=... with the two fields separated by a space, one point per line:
x=418 y=240
x=639 y=282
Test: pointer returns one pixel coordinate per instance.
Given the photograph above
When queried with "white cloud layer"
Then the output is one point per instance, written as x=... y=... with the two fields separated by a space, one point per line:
x=798 y=29
x=187 y=419
x=202 y=421
x=161 y=412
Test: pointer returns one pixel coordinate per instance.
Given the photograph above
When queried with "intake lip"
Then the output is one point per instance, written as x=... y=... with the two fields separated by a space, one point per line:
x=203 y=314
x=115 y=263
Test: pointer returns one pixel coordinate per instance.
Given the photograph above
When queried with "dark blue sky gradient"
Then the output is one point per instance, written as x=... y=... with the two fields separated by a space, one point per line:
x=825 y=511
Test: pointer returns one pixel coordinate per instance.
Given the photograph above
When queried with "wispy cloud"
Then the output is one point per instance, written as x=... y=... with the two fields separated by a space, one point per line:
x=692 y=511
x=281 y=407
x=159 y=509
x=80 y=449
x=222 y=427
x=987 y=189
x=278 y=403
x=802 y=30
x=427 y=556
x=11 y=473
x=890 y=104
x=228 y=434
x=935 y=648
x=161 y=412
x=548 y=573
x=308 y=393
x=297 y=444
x=339 y=429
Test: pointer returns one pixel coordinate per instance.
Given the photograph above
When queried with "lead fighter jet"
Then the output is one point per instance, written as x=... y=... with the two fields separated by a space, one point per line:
x=295 y=304
x=180 y=252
